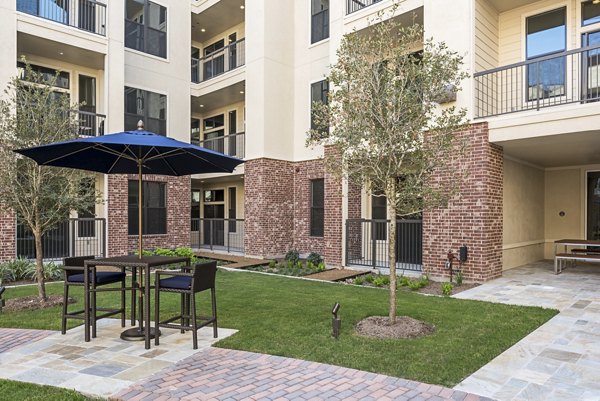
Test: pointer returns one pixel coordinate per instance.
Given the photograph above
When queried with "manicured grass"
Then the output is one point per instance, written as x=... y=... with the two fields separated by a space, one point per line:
x=11 y=391
x=291 y=317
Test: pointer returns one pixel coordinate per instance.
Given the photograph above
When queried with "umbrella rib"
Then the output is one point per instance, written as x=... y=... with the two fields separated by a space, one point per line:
x=66 y=155
x=205 y=160
x=163 y=155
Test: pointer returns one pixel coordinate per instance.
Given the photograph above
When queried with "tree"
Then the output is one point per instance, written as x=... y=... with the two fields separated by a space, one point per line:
x=33 y=113
x=384 y=122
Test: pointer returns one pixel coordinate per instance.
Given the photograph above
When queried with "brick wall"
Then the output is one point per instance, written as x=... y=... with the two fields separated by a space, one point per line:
x=277 y=209
x=268 y=207
x=8 y=244
x=178 y=215
x=473 y=218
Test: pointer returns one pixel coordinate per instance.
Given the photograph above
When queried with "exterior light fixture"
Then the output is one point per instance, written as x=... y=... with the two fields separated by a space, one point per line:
x=242 y=6
x=201 y=105
x=336 y=322
x=241 y=92
x=202 y=30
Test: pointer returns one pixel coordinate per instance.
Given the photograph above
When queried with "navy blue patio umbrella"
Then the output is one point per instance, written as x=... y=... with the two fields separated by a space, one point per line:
x=132 y=152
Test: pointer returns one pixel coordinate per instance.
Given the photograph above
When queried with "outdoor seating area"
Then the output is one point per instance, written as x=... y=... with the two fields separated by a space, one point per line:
x=589 y=251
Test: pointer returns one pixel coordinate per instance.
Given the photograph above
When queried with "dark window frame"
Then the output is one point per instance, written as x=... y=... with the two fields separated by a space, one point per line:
x=594 y=19
x=63 y=78
x=137 y=33
x=149 y=122
x=317 y=209
x=319 y=22
x=149 y=213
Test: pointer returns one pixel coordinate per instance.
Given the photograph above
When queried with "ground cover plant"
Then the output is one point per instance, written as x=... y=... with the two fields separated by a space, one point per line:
x=291 y=267
x=421 y=284
x=289 y=317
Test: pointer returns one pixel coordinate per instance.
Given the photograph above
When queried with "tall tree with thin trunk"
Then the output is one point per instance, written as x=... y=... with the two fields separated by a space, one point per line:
x=384 y=120
x=34 y=112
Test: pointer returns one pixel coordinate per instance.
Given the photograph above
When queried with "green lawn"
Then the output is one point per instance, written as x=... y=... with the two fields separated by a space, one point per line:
x=12 y=391
x=291 y=317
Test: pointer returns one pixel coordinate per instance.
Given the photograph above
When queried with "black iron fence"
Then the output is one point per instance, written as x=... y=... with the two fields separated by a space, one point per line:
x=567 y=77
x=367 y=243
x=231 y=145
x=219 y=62
x=218 y=234
x=356 y=5
x=87 y=15
x=73 y=237
x=90 y=124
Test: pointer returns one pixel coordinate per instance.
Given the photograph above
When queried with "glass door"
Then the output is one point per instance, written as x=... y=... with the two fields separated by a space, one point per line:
x=591 y=66
x=214 y=60
x=88 y=123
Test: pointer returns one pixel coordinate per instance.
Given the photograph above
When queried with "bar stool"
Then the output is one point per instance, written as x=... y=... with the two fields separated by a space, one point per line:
x=187 y=284
x=74 y=276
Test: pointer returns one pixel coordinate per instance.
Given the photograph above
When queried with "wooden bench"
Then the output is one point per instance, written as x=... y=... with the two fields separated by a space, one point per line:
x=559 y=259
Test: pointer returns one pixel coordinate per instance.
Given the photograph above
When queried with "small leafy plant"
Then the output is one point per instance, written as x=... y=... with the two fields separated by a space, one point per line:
x=447 y=289
x=360 y=280
x=459 y=278
x=380 y=281
x=314 y=258
x=292 y=256
x=403 y=281
x=272 y=264
x=321 y=266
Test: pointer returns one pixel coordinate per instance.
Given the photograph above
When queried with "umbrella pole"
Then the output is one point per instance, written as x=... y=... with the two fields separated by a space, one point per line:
x=141 y=285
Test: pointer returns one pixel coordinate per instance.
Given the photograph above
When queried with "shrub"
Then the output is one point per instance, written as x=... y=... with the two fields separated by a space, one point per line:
x=447 y=289
x=370 y=278
x=314 y=258
x=360 y=280
x=272 y=264
x=321 y=266
x=459 y=278
x=380 y=281
x=299 y=265
x=16 y=270
x=52 y=271
x=418 y=283
x=292 y=256
x=404 y=281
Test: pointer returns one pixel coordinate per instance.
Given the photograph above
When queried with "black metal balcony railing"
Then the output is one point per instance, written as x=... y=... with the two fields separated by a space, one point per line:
x=87 y=15
x=219 y=62
x=230 y=145
x=356 y=5
x=567 y=77
x=367 y=245
x=218 y=234
x=73 y=237
x=90 y=124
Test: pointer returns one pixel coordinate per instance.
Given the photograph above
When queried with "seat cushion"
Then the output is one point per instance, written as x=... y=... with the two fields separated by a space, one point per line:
x=176 y=283
x=101 y=277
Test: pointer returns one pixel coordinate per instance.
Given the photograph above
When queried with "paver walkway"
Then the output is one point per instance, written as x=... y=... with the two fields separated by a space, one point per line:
x=236 y=262
x=13 y=338
x=561 y=359
x=220 y=374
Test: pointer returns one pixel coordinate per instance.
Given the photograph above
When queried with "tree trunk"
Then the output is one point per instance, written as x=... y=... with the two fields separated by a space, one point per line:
x=391 y=196
x=39 y=265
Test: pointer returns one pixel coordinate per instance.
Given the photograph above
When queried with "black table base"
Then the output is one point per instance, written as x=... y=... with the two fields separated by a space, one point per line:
x=137 y=334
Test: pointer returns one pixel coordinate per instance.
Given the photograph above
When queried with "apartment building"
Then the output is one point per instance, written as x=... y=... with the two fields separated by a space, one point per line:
x=240 y=76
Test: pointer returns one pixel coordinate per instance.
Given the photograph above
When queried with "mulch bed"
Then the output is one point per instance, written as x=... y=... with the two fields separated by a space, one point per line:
x=405 y=327
x=435 y=288
x=33 y=302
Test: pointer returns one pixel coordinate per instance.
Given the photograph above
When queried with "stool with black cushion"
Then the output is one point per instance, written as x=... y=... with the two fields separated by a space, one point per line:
x=74 y=276
x=187 y=283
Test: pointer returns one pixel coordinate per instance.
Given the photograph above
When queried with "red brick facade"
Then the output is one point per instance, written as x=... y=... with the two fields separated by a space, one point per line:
x=474 y=218
x=8 y=234
x=277 y=209
x=178 y=215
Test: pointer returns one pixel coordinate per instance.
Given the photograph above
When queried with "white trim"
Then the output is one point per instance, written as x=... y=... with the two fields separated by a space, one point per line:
x=151 y=56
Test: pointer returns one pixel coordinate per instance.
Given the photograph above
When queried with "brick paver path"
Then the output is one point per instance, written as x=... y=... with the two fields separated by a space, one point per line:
x=220 y=374
x=12 y=338
x=337 y=274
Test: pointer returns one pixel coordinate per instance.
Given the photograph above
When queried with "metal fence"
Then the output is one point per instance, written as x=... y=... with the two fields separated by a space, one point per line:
x=231 y=145
x=219 y=62
x=356 y=5
x=90 y=124
x=87 y=15
x=567 y=77
x=73 y=237
x=218 y=234
x=367 y=244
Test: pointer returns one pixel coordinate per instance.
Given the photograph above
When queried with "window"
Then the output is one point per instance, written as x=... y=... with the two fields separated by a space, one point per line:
x=318 y=93
x=546 y=34
x=214 y=195
x=232 y=210
x=317 y=207
x=47 y=74
x=319 y=22
x=154 y=208
x=214 y=133
x=146 y=27
x=215 y=64
x=379 y=215
x=147 y=106
x=590 y=13
x=195 y=131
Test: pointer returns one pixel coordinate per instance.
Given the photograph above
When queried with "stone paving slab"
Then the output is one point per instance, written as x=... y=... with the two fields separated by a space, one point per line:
x=99 y=368
x=13 y=338
x=561 y=359
x=221 y=374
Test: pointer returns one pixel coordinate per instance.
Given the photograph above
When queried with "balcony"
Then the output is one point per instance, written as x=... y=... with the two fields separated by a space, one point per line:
x=90 y=124
x=558 y=79
x=230 y=145
x=87 y=15
x=219 y=62
x=357 y=5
